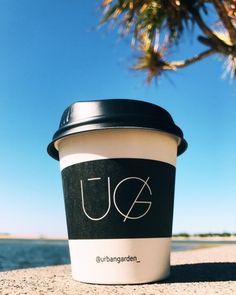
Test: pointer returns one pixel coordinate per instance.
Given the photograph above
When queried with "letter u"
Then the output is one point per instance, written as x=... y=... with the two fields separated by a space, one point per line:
x=109 y=201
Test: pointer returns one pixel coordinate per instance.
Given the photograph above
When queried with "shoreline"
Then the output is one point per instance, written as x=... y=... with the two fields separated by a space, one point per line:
x=210 y=238
x=31 y=237
x=64 y=238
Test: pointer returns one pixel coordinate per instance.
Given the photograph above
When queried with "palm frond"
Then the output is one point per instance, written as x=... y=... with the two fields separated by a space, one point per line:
x=156 y=26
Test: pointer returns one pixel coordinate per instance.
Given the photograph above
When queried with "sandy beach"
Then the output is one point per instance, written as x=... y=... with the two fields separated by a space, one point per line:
x=203 y=271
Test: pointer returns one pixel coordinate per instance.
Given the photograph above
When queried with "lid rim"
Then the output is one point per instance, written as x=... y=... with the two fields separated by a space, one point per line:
x=84 y=116
x=98 y=124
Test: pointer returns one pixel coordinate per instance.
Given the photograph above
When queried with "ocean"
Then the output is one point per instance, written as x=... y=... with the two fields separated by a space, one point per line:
x=18 y=254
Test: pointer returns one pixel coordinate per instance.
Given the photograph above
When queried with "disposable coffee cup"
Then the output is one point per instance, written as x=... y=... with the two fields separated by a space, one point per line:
x=117 y=160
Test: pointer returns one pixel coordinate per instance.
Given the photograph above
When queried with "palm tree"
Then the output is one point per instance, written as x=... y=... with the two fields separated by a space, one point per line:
x=157 y=26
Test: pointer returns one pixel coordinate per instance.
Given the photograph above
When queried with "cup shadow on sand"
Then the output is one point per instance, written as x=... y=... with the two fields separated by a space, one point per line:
x=202 y=272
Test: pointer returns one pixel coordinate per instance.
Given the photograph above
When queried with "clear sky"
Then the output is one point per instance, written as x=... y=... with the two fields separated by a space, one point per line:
x=51 y=54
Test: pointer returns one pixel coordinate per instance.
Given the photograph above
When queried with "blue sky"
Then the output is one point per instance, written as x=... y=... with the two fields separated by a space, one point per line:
x=51 y=54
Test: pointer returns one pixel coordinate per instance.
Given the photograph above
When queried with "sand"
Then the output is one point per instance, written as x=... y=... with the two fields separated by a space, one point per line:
x=203 y=271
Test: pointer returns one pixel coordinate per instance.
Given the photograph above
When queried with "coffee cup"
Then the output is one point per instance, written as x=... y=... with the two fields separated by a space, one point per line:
x=118 y=162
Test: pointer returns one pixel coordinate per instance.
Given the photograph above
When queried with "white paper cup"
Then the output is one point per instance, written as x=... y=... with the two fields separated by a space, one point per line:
x=118 y=183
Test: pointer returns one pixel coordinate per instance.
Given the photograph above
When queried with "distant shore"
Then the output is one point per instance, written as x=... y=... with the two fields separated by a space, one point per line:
x=175 y=238
x=210 y=238
x=31 y=237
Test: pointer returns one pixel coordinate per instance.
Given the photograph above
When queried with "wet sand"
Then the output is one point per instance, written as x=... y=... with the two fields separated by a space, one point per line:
x=203 y=271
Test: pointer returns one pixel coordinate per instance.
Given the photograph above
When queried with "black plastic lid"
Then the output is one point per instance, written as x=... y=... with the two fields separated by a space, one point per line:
x=114 y=113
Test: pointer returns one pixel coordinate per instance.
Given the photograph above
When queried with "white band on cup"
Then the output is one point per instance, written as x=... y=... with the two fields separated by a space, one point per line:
x=123 y=261
x=117 y=143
